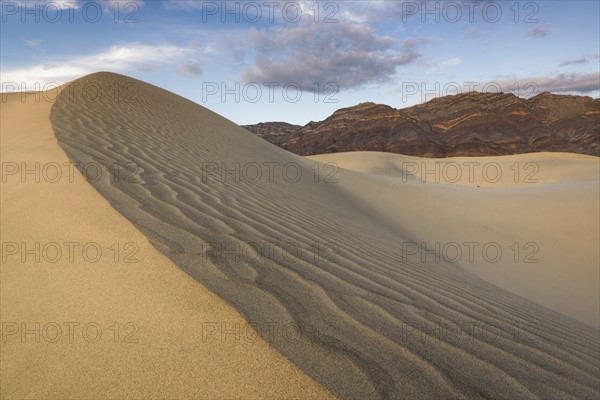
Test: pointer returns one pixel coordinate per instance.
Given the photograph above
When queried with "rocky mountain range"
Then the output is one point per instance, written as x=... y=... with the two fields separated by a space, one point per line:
x=469 y=124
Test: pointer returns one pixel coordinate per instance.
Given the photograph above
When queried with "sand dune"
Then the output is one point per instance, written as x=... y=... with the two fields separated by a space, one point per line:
x=520 y=170
x=171 y=341
x=547 y=203
x=287 y=247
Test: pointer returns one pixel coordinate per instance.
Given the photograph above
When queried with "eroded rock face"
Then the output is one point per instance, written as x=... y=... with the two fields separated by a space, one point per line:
x=470 y=124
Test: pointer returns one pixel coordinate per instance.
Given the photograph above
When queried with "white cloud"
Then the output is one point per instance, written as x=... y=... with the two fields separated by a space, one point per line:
x=122 y=57
x=445 y=64
x=32 y=42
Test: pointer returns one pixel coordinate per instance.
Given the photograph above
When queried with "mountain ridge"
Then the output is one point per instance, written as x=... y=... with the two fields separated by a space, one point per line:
x=468 y=124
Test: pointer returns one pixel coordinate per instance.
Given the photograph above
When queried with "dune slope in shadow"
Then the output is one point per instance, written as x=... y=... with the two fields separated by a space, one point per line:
x=369 y=322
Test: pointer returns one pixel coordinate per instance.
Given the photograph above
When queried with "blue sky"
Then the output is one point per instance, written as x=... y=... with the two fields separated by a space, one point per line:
x=235 y=57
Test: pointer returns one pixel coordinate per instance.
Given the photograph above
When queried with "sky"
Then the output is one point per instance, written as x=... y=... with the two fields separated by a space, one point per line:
x=299 y=61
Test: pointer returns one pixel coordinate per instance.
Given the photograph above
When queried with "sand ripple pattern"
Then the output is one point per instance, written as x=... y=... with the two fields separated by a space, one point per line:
x=356 y=315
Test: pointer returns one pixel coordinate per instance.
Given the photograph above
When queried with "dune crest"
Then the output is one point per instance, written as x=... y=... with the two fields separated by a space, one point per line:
x=369 y=321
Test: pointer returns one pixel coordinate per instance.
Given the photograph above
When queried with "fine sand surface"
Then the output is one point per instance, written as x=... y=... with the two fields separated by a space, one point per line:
x=294 y=249
x=548 y=203
x=162 y=354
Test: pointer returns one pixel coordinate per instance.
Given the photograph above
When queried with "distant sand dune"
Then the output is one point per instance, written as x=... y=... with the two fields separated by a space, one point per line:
x=370 y=321
x=549 y=200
